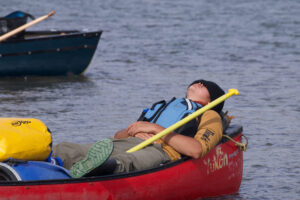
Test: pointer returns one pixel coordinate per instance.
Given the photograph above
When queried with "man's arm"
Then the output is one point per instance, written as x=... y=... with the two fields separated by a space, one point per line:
x=182 y=144
x=210 y=131
x=208 y=135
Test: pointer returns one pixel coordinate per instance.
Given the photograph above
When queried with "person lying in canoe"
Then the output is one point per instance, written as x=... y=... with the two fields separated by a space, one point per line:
x=194 y=139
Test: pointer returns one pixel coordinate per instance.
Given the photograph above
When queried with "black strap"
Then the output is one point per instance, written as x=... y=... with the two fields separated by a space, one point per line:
x=142 y=116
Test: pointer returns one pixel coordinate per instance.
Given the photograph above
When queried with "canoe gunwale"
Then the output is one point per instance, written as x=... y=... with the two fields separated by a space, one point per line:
x=50 y=35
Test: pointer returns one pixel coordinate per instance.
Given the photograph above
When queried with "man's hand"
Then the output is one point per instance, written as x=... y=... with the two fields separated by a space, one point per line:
x=140 y=129
x=121 y=134
x=143 y=136
x=143 y=127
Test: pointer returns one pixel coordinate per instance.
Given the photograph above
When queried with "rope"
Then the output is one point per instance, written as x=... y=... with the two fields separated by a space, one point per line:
x=242 y=146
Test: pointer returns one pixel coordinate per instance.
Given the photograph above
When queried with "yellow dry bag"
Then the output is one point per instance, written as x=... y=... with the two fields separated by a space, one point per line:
x=24 y=138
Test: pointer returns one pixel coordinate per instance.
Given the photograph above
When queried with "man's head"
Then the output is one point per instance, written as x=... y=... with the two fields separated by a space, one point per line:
x=204 y=92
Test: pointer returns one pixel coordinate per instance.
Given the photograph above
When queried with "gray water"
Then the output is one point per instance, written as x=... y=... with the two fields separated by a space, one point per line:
x=151 y=50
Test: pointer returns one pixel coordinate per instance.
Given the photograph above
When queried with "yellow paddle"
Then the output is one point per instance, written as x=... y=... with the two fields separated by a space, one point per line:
x=184 y=120
x=21 y=28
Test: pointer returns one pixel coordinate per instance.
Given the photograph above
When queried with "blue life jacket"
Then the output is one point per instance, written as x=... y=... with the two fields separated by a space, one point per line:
x=168 y=113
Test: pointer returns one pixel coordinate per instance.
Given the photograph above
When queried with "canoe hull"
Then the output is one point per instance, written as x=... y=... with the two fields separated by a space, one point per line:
x=218 y=173
x=53 y=54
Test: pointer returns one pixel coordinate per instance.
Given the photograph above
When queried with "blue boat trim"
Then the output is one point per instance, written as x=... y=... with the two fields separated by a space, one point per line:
x=50 y=50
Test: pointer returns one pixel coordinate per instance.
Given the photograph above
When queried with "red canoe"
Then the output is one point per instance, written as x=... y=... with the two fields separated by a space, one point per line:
x=218 y=173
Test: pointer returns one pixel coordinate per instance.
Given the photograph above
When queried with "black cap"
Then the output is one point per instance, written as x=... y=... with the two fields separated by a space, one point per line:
x=215 y=92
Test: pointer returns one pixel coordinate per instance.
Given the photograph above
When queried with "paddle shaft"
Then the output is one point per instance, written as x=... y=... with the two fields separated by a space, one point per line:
x=25 y=26
x=184 y=120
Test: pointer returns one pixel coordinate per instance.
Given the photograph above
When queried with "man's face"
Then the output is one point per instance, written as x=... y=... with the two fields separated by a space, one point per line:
x=198 y=92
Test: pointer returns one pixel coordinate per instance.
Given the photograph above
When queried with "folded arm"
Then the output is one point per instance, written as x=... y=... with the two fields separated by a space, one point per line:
x=183 y=144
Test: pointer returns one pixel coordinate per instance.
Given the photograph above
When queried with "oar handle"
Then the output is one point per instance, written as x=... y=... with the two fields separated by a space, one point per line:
x=25 y=26
x=184 y=120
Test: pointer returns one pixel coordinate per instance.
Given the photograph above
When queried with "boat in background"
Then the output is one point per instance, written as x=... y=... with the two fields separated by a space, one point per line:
x=46 y=53
x=216 y=174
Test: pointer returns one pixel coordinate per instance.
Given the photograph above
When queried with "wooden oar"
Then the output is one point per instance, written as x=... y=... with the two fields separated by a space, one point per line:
x=184 y=120
x=25 y=26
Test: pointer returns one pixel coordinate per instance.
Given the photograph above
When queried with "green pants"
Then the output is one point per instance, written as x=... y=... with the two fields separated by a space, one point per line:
x=151 y=156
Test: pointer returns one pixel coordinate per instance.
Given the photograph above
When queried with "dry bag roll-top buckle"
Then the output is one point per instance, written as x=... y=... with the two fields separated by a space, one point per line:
x=14 y=162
